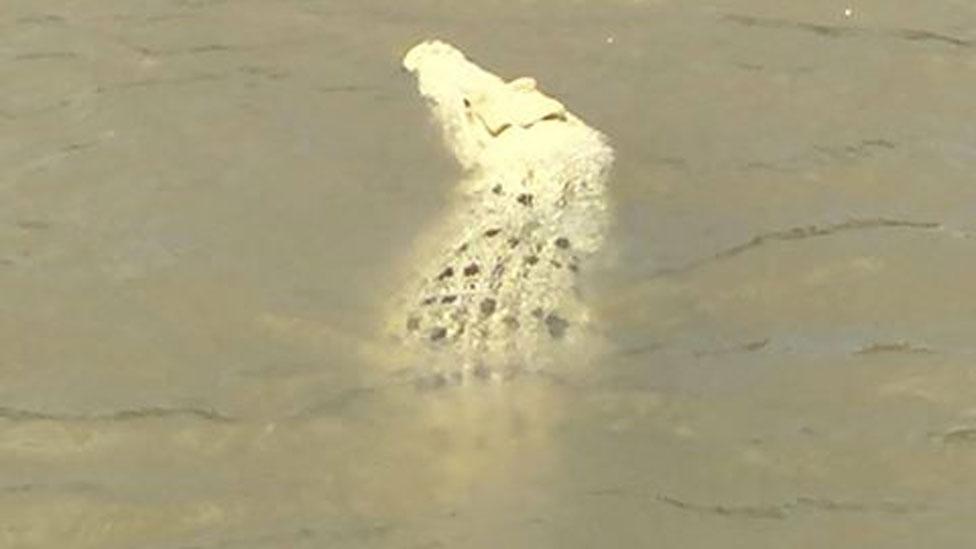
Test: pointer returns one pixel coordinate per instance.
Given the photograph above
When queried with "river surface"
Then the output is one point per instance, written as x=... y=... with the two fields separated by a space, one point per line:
x=202 y=201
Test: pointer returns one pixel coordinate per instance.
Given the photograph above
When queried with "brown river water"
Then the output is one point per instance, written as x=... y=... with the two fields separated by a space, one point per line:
x=201 y=202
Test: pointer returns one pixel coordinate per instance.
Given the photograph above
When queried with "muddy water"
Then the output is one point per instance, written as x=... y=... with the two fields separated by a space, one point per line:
x=201 y=203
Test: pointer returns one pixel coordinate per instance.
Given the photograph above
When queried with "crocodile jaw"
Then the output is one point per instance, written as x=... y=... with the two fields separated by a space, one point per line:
x=473 y=106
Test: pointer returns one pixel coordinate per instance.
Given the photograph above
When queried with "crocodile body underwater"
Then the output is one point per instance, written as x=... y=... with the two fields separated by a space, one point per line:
x=495 y=282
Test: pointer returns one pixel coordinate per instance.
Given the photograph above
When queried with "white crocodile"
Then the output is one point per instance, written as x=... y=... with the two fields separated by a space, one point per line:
x=497 y=279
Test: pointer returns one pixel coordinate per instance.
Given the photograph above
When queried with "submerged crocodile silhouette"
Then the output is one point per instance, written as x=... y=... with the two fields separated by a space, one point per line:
x=496 y=281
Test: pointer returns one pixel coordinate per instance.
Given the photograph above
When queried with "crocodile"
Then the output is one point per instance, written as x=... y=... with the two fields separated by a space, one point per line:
x=495 y=285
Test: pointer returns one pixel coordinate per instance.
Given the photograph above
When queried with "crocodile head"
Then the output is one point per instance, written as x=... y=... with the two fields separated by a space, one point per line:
x=474 y=107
